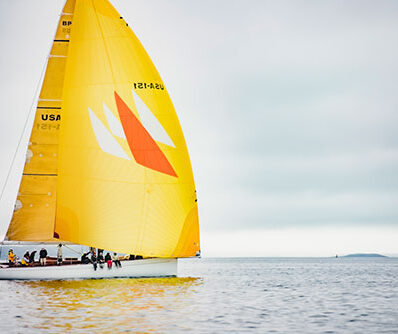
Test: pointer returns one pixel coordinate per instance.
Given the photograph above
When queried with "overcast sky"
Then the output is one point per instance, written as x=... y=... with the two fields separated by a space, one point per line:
x=289 y=109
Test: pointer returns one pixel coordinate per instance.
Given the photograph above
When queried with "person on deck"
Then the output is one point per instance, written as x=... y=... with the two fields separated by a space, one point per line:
x=32 y=257
x=59 y=254
x=43 y=257
x=116 y=260
x=101 y=260
x=84 y=259
x=108 y=260
x=25 y=259
x=11 y=258
x=94 y=259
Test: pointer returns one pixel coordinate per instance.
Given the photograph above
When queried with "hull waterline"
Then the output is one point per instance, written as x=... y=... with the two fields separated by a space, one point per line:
x=137 y=268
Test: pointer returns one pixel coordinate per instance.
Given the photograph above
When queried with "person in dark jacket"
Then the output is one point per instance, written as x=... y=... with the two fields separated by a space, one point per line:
x=32 y=257
x=94 y=259
x=27 y=256
x=43 y=257
x=84 y=259
x=101 y=260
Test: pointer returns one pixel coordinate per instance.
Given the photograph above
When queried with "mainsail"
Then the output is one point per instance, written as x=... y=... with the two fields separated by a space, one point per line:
x=117 y=173
x=34 y=212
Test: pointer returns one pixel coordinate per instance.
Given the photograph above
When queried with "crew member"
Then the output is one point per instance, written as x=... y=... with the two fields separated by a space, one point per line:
x=11 y=257
x=94 y=259
x=32 y=257
x=25 y=259
x=108 y=260
x=43 y=257
x=59 y=254
x=101 y=260
x=116 y=260
x=84 y=259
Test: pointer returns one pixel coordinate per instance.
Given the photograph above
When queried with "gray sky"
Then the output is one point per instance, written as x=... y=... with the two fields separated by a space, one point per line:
x=289 y=110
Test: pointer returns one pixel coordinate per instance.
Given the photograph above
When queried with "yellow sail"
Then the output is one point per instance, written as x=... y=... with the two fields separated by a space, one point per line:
x=125 y=180
x=34 y=212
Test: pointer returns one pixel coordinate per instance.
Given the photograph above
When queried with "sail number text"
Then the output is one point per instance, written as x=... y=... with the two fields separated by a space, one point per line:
x=146 y=85
x=53 y=118
x=44 y=126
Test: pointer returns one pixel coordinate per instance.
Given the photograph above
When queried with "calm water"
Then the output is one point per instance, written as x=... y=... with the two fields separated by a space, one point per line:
x=265 y=295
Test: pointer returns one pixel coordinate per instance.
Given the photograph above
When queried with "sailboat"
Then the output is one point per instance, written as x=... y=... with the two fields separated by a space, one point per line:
x=107 y=165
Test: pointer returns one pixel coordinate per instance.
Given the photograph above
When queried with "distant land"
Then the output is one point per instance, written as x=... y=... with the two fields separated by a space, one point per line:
x=364 y=255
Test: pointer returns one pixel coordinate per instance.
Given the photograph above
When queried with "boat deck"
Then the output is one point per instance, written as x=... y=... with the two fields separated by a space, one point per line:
x=52 y=261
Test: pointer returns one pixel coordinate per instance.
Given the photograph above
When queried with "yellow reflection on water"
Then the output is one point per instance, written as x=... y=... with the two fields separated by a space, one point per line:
x=110 y=304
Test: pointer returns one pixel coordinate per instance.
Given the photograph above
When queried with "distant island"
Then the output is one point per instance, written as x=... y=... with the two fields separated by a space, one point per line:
x=365 y=255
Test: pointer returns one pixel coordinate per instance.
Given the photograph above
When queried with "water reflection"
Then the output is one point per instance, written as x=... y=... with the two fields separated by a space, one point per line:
x=234 y=296
x=122 y=304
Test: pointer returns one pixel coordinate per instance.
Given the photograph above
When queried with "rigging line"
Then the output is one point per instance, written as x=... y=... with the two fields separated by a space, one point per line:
x=28 y=117
x=23 y=131
x=73 y=250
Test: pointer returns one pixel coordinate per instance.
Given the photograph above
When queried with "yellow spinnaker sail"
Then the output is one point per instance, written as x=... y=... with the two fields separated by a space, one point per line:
x=125 y=180
x=34 y=213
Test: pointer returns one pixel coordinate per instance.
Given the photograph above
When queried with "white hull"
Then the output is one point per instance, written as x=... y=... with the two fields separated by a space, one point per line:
x=137 y=268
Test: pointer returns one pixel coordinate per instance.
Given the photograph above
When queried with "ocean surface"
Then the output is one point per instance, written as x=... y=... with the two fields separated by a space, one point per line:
x=236 y=295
